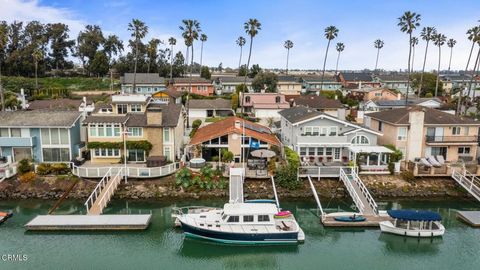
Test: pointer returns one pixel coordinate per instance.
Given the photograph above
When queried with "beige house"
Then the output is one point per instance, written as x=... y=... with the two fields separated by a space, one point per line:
x=289 y=85
x=422 y=132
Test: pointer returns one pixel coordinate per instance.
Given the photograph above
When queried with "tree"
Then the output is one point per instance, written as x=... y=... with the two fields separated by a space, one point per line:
x=331 y=33
x=427 y=34
x=340 y=47
x=179 y=68
x=99 y=65
x=172 y=42
x=152 y=52
x=138 y=31
x=37 y=57
x=220 y=67
x=3 y=45
x=439 y=40
x=240 y=42
x=265 y=81
x=473 y=35
x=205 y=73
x=88 y=42
x=288 y=45
x=242 y=71
x=254 y=71
x=451 y=43
x=408 y=22
x=428 y=83
x=203 y=38
x=60 y=44
x=235 y=102
x=378 y=44
x=414 y=44
x=252 y=26
x=112 y=46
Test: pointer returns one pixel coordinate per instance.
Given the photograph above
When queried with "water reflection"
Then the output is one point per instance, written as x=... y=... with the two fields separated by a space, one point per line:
x=410 y=245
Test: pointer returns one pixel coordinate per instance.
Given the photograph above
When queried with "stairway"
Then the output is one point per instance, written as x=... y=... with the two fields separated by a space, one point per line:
x=103 y=192
x=359 y=193
x=468 y=181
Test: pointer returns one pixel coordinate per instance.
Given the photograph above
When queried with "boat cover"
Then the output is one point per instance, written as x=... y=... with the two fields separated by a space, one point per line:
x=415 y=215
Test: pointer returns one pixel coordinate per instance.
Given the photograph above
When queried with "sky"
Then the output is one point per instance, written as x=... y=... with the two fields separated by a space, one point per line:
x=302 y=21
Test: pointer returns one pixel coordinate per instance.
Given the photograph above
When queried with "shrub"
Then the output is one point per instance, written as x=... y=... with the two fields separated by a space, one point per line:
x=60 y=168
x=227 y=156
x=195 y=125
x=183 y=177
x=391 y=168
x=286 y=176
x=44 y=169
x=24 y=166
x=408 y=176
x=27 y=177
x=292 y=158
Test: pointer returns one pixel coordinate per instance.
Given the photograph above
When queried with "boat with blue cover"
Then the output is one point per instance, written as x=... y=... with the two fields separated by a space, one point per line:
x=413 y=223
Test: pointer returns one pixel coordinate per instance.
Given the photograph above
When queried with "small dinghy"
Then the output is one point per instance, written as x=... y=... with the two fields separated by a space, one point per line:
x=353 y=218
x=4 y=216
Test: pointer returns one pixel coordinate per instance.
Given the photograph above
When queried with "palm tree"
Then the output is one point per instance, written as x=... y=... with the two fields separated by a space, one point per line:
x=414 y=44
x=473 y=35
x=3 y=45
x=378 y=44
x=139 y=30
x=191 y=30
x=331 y=33
x=152 y=48
x=288 y=45
x=475 y=69
x=439 y=40
x=252 y=26
x=450 y=43
x=112 y=46
x=340 y=47
x=37 y=57
x=408 y=22
x=427 y=34
x=203 y=38
x=172 y=42
x=240 y=42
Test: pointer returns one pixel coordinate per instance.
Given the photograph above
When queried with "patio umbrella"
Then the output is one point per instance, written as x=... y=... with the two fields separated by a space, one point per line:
x=263 y=153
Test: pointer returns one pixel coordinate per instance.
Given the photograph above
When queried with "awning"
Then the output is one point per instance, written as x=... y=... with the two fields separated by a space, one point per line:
x=369 y=149
x=415 y=215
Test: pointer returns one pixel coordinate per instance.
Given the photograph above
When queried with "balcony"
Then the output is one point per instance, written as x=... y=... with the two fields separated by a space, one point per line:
x=18 y=141
x=452 y=139
x=319 y=139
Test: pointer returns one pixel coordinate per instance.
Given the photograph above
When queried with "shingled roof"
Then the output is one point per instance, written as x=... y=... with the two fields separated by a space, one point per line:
x=317 y=102
x=357 y=77
x=219 y=103
x=39 y=118
x=142 y=78
x=298 y=114
x=57 y=104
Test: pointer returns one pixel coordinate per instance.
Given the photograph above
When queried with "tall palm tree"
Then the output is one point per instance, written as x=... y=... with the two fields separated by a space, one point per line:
x=251 y=27
x=331 y=32
x=378 y=44
x=112 y=46
x=451 y=43
x=172 y=42
x=439 y=40
x=191 y=30
x=475 y=69
x=139 y=30
x=414 y=44
x=288 y=45
x=240 y=42
x=340 y=47
x=3 y=45
x=37 y=57
x=427 y=34
x=408 y=22
x=203 y=38
x=473 y=35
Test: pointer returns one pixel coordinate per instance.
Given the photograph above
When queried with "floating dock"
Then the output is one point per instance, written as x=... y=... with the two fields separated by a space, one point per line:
x=371 y=221
x=472 y=218
x=88 y=222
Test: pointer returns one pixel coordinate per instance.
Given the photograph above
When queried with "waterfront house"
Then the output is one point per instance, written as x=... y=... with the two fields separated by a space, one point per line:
x=169 y=96
x=209 y=108
x=314 y=83
x=263 y=105
x=150 y=129
x=227 y=134
x=422 y=132
x=323 y=140
x=198 y=86
x=40 y=135
x=320 y=103
x=289 y=85
x=228 y=84
x=357 y=80
x=396 y=81
x=145 y=83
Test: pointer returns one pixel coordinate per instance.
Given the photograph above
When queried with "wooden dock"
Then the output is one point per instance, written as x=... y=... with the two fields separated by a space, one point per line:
x=472 y=218
x=371 y=221
x=88 y=222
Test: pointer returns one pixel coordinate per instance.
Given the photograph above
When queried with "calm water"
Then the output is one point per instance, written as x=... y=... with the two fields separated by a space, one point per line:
x=164 y=247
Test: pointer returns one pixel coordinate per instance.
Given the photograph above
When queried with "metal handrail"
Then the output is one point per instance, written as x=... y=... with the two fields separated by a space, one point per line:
x=365 y=191
x=470 y=184
x=111 y=190
x=458 y=138
x=356 y=198
x=98 y=189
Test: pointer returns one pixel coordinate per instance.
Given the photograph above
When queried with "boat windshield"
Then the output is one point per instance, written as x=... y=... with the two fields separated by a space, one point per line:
x=224 y=217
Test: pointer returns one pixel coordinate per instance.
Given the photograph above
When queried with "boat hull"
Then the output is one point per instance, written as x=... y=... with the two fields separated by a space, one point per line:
x=387 y=227
x=240 y=238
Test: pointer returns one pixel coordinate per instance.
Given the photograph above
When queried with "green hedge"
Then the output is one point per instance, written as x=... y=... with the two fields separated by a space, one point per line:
x=143 y=145
x=293 y=158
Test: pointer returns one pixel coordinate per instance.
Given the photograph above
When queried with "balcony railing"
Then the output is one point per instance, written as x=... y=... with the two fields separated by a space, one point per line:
x=447 y=139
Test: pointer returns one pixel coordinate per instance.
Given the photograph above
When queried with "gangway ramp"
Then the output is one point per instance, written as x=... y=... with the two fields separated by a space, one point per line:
x=103 y=192
x=236 y=178
x=468 y=181
x=361 y=196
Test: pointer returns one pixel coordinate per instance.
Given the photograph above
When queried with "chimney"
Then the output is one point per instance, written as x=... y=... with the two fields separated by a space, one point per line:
x=399 y=96
x=238 y=124
x=24 y=100
x=154 y=116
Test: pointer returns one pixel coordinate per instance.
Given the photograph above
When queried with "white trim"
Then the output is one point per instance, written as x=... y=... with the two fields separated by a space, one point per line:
x=321 y=116
x=365 y=130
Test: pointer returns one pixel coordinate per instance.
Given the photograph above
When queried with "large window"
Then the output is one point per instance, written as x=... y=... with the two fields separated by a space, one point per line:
x=233 y=219
x=54 y=136
x=360 y=139
x=136 y=155
x=104 y=130
x=136 y=107
x=402 y=134
x=247 y=218
x=106 y=152
x=122 y=108
x=4 y=132
x=166 y=135
x=167 y=150
x=463 y=150
x=135 y=132
x=15 y=132
x=56 y=154
x=263 y=218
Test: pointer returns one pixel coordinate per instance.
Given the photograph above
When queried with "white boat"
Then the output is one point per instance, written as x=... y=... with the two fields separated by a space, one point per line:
x=240 y=223
x=413 y=223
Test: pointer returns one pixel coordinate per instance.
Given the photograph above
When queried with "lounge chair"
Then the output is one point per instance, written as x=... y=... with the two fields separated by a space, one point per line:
x=433 y=161
x=441 y=159
x=425 y=163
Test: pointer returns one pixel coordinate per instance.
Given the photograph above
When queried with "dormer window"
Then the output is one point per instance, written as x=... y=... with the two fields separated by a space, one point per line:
x=122 y=108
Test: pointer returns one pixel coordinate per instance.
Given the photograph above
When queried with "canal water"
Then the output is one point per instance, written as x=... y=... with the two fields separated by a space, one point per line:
x=163 y=247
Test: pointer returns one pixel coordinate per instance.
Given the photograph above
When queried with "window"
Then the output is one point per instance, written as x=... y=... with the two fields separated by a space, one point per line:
x=136 y=107
x=277 y=99
x=121 y=108
x=92 y=130
x=380 y=126
x=311 y=151
x=263 y=218
x=106 y=152
x=456 y=130
x=360 y=139
x=328 y=151
x=54 y=136
x=4 y=132
x=303 y=151
x=439 y=151
x=247 y=218
x=247 y=99
x=101 y=130
x=45 y=133
x=402 y=134
x=56 y=154
x=320 y=151
x=463 y=150
x=135 y=132
x=166 y=135
x=15 y=132
x=108 y=130
x=136 y=155
x=63 y=135
x=378 y=94
x=233 y=219
x=333 y=131
x=167 y=152
x=116 y=130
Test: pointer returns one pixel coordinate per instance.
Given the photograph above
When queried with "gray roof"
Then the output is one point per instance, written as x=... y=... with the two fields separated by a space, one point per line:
x=357 y=77
x=218 y=103
x=298 y=114
x=287 y=79
x=39 y=118
x=236 y=79
x=392 y=77
x=192 y=80
x=317 y=102
x=108 y=118
x=142 y=78
x=318 y=79
x=401 y=102
x=171 y=113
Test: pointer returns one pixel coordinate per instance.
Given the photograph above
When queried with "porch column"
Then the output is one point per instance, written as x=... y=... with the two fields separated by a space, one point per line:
x=378 y=159
x=368 y=159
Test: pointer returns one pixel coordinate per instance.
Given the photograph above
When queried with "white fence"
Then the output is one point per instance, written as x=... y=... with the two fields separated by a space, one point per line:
x=321 y=171
x=7 y=170
x=133 y=172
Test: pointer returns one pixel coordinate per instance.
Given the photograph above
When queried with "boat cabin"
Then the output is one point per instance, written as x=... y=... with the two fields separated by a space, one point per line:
x=242 y=213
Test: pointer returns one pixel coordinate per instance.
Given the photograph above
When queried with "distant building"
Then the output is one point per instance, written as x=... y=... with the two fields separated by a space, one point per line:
x=289 y=85
x=320 y=103
x=228 y=85
x=357 y=80
x=380 y=105
x=263 y=105
x=145 y=83
x=395 y=81
x=313 y=83
x=205 y=108
x=199 y=86
x=169 y=96
x=81 y=105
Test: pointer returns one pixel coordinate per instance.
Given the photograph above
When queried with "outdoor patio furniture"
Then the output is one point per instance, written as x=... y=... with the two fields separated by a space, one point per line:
x=441 y=159
x=425 y=163
x=433 y=161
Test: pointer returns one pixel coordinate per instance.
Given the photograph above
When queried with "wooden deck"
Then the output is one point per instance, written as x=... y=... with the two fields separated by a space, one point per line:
x=85 y=222
x=371 y=221
x=472 y=218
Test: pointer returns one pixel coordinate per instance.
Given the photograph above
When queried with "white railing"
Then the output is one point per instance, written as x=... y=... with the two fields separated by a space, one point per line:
x=365 y=192
x=351 y=190
x=468 y=181
x=98 y=189
x=275 y=192
x=108 y=194
x=133 y=172
x=7 y=170
x=321 y=171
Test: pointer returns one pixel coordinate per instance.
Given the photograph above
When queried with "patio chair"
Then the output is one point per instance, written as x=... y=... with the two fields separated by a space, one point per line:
x=441 y=159
x=433 y=161
x=425 y=163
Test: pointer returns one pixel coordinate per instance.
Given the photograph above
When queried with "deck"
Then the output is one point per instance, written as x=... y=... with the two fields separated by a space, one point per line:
x=88 y=222
x=371 y=221
x=472 y=218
